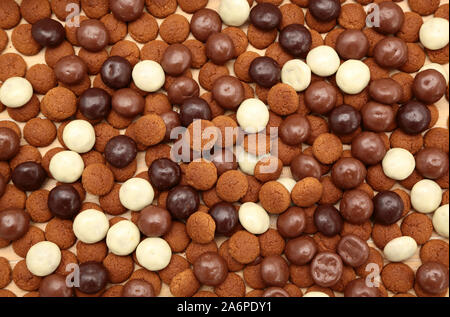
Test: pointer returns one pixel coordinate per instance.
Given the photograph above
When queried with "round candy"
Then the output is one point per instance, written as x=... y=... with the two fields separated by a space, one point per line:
x=182 y=89
x=92 y=35
x=55 y=286
x=295 y=129
x=234 y=12
x=320 y=97
x=274 y=270
x=228 y=92
x=90 y=226
x=154 y=254
x=194 y=108
x=172 y=121
x=148 y=76
x=28 y=176
x=353 y=250
x=70 y=70
x=385 y=90
x=120 y=151
x=391 y=18
x=265 y=16
x=252 y=115
x=368 y=147
x=154 y=221
x=326 y=269
x=95 y=103
x=324 y=61
x=377 y=117
x=360 y=288
x=9 y=144
x=296 y=40
x=64 y=201
x=301 y=250
x=426 y=196
x=247 y=162
x=79 y=136
x=127 y=10
x=434 y=33
x=348 y=173
x=15 y=92
x=225 y=216
x=164 y=174
x=429 y=86
x=116 y=72
x=204 y=22
x=14 y=224
x=93 y=277
x=432 y=277
x=352 y=76
x=325 y=10
x=387 y=207
x=220 y=48
x=440 y=221
x=344 y=119
x=297 y=74
x=127 y=102
x=432 y=163
x=352 y=44
x=356 y=206
x=66 y=166
x=400 y=249
x=123 y=238
x=254 y=218
x=436 y=67
x=328 y=220
x=391 y=52
x=176 y=59
x=265 y=71
x=182 y=201
x=136 y=194
x=48 y=32
x=138 y=288
x=210 y=269
x=288 y=183
x=43 y=258
x=292 y=222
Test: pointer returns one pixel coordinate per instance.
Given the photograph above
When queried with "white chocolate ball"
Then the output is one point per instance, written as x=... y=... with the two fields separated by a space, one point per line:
x=254 y=218
x=15 y=92
x=247 y=162
x=123 y=238
x=440 y=221
x=437 y=67
x=434 y=33
x=66 y=166
x=297 y=74
x=323 y=60
x=154 y=254
x=43 y=258
x=353 y=76
x=426 y=196
x=398 y=164
x=90 y=226
x=315 y=294
x=136 y=194
x=234 y=12
x=252 y=115
x=287 y=182
x=400 y=249
x=148 y=76
x=79 y=136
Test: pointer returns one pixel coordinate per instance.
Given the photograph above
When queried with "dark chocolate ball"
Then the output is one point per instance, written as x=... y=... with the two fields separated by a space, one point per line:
x=116 y=72
x=275 y=292
x=356 y=206
x=95 y=103
x=120 y=151
x=92 y=35
x=228 y=92
x=28 y=176
x=181 y=89
x=265 y=71
x=171 y=120
x=368 y=147
x=176 y=59
x=325 y=10
x=225 y=216
x=360 y=288
x=348 y=173
x=413 y=117
x=320 y=97
x=265 y=16
x=352 y=44
x=70 y=70
x=127 y=102
x=377 y=117
x=385 y=90
x=154 y=221
x=48 y=32
x=295 y=129
x=93 y=277
x=292 y=222
x=432 y=277
x=301 y=250
x=296 y=40
x=194 y=108
x=138 y=288
x=127 y=10
x=274 y=271
x=14 y=224
x=303 y=166
x=54 y=285
x=220 y=48
x=326 y=269
x=353 y=250
x=210 y=269
x=391 y=18
x=205 y=22
x=328 y=220
x=387 y=207
x=429 y=86
x=64 y=201
x=391 y=52
x=344 y=119
x=9 y=144
x=182 y=201
x=432 y=163
x=164 y=174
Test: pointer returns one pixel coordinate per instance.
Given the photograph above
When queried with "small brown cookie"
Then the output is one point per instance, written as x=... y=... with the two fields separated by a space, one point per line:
x=23 y=278
x=33 y=236
x=242 y=65
x=291 y=14
x=144 y=29
x=91 y=252
x=254 y=186
x=377 y=179
x=409 y=32
x=238 y=38
x=117 y=30
x=327 y=148
x=233 y=286
x=39 y=132
x=373 y=37
x=232 y=186
x=97 y=179
x=59 y=104
x=42 y=78
x=54 y=54
x=435 y=250
x=35 y=10
x=271 y=243
x=209 y=73
x=5 y=272
x=23 y=42
x=151 y=277
x=26 y=112
x=191 y=6
x=119 y=268
x=412 y=143
x=438 y=138
x=376 y=71
x=27 y=153
x=300 y=275
x=416 y=58
x=12 y=65
x=424 y=7
x=95 y=9
x=381 y=235
x=176 y=265
x=161 y=8
x=259 y=38
x=60 y=232
x=3 y=40
x=277 y=53
x=9 y=14
x=439 y=56
x=283 y=99
x=174 y=29
x=442 y=11
x=94 y=60
x=36 y=205
x=418 y=226
x=177 y=237
x=126 y=49
x=397 y=277
x=59 y=8
x=184 y=284
x=352 y=16
x=331 y=37
x=154 y=50
x=274 y=197
x=198 y=52
x=375 y=257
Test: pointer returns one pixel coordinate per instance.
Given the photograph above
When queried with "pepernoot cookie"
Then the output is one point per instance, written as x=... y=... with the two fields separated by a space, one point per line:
x=59 y=104
x=42 y=78
x=23 y=42
x=9 y=14
x=174 y=29
x=35 y=10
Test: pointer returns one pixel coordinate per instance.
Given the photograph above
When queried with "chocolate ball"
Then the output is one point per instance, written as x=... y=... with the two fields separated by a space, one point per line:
x=326 y=269
x=387 y=207
x=92 y=35
x=171 y=120
x=391 y=18
x=360 y=288
x=391 y=52
x=301 y=250
x=228 y=92
x=28 y=176
x=14 y=224
x=48 y=32
x=127 y=102
x=154 y=221
x=220 y=48
x=93 y=277
x=176 y=59
x=352 y=44
x=9 y=144
x=274 y=271
x=275 y=292
x=356 y=206
x=432 y=163
x=182 y=201
x=265 y=16
x=344 y=119
x=116 y=72
x=224 y=160
x=138 y=288
x=385 y=90
x=348 y=173
x=353 y=250
x=432 y=277
x=265 y=71
x=328 y=220
x=292 y=222
x=120 y=151
x=164 y=174
x=225 y=216
x=413 y=117
x=295 y=129
x=205 y=22
x=325 y=10
x=2 y=185
x=54 y=285
x=296 y=40
x=95 y=103
x=127 y=10
x=64 y=201
x=70 y=70
x=210 y=269
x=182 y=88
x=303 y=166
x=320 y=97
x=377 y=117
x=429 y=86
x=368 y=147
x=194 y=108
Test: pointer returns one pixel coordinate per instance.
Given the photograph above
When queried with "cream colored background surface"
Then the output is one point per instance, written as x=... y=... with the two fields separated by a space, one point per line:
x=8 y=252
